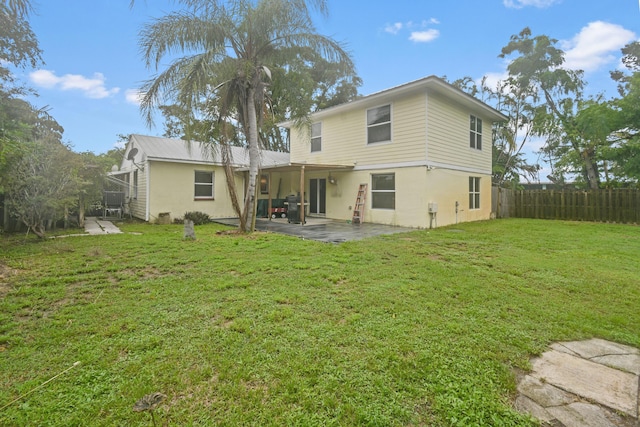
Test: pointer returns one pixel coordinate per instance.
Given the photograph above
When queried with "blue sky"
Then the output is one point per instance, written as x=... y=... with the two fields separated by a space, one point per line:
x=93 y=66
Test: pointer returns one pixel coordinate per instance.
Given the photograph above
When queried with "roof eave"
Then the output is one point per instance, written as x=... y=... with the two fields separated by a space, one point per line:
x=430 y=82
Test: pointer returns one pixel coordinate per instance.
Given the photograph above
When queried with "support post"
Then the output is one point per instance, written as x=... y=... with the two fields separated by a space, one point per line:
x=302 y=195
x=270 y=204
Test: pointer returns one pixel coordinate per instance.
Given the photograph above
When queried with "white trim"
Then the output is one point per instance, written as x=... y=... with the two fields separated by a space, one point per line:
x=476 y=133
x=372 y=191
x=192 y=162
x=366 y=124
x=312 y=137
x=147 y=171
x=475 y=191
x=420 y=163
x=197 y=183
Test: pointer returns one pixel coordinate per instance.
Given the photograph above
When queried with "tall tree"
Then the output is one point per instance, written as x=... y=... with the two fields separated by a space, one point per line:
x=42 y=185
x=510 y=137
x=623 y=121
x=18 y=44
x=41 y=182
x=308 y=84
x=230 y=49
x=18 y=48
x=539 y=68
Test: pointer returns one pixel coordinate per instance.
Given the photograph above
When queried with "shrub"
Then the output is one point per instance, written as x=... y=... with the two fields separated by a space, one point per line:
x=198 y=218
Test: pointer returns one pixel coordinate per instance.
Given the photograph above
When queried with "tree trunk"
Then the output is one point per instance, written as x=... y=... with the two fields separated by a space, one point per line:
x=231 y=183
x=254 y=157
x=590 y=169
x=38 y=229
x=81 y=212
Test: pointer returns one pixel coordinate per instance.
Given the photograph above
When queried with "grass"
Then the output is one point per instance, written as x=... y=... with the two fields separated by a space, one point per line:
x=425 y=328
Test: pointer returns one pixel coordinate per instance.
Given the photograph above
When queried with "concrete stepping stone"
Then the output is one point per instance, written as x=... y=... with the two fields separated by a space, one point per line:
x=593 y=383
x=615 y=355
x=581 y=414
x=608 y=386
x=94 y=226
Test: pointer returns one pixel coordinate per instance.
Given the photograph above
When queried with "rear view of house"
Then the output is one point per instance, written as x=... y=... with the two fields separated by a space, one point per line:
x=417 y=155
x=421 y=151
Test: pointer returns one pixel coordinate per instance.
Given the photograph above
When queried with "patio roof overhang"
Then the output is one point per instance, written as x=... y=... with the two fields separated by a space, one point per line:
x=301 y=168
x=295 y=167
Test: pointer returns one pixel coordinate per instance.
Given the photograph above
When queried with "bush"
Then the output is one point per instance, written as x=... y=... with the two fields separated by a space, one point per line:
x=198 y=218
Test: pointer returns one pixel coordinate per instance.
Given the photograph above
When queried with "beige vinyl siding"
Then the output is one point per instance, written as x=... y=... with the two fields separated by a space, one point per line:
x=138 y=205
x=280 y=185
x=344 y=137
x=172 y=191
x=448 y=136
x=415 y=188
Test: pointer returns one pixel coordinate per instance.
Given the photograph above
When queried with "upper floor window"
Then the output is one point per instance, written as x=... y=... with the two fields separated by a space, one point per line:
x=203 y=185
x=383 y=191
x=475 y=133
x=379 y=124
x=316 y=137
x=474 y=192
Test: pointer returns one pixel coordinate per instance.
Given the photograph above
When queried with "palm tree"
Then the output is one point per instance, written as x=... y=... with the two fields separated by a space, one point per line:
x=230 y=48
x=17 y=7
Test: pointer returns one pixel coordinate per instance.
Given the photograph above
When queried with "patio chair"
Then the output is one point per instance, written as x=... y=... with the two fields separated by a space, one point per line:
x=113 y=204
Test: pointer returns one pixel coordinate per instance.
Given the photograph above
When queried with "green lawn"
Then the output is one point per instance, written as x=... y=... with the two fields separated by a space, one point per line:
x=419 y=329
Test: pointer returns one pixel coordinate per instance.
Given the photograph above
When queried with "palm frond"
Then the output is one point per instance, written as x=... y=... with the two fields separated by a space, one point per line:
x=181 y=32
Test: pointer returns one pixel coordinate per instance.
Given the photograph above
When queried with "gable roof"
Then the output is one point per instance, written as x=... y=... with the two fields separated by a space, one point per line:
x=178 y=150
x=431 y=83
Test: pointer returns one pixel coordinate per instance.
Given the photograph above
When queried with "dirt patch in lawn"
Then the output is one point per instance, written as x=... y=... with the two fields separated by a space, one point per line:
x=6 y=272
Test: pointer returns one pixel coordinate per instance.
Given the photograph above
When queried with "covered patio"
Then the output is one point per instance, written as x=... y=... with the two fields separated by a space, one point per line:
x=322 y=229
x=308 y=181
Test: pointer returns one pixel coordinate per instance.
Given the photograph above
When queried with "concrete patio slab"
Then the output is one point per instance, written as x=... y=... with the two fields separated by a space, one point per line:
x=321 y=229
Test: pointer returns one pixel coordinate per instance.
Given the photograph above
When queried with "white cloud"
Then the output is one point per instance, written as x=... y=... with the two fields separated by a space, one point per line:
x=93 y=87
x=519 y=4
x=595 y=45
x=424 y=36
x=420 y=33
x=133 y=96
x=393 y=28
x=493 y=79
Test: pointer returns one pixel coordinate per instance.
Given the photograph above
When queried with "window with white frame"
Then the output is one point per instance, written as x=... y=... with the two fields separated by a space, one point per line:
x=475 y=133
x=203 y=185
x=135 y=184
x=379 y=124
x=474 y=192
x=383 y=191
x=316 y=137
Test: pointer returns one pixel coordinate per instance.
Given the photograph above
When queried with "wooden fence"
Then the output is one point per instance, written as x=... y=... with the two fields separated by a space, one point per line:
x=608 y=205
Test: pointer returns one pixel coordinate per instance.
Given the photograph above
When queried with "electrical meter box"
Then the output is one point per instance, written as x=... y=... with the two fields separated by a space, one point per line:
x=433 y=207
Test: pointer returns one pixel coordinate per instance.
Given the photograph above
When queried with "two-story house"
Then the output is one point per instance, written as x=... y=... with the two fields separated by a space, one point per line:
x=417 y=155
x=423 y=149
